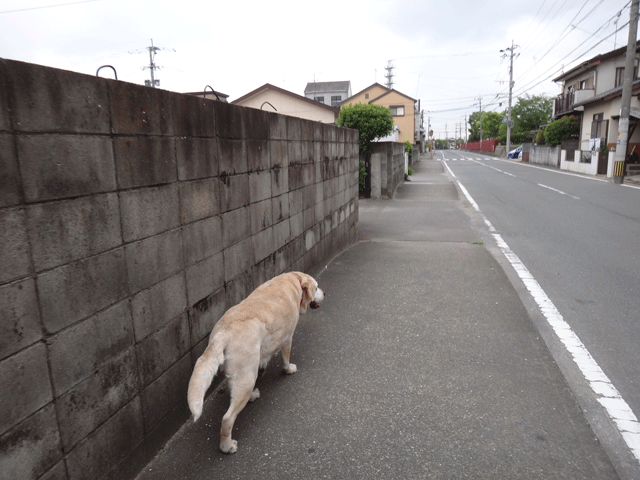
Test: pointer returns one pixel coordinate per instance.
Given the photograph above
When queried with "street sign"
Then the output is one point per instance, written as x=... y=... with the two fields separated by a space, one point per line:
x=511 y=124
x=505 y=120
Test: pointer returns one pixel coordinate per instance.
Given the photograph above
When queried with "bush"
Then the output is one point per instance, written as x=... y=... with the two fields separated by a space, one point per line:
x=408 y=147
x=362 y=170
x=372 y=121
x=561 y=129
x=540 y=137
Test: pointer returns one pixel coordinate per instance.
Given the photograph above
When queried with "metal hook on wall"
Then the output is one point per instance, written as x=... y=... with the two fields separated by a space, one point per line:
x=268 y=104
x=214 y=92
x=107 y=66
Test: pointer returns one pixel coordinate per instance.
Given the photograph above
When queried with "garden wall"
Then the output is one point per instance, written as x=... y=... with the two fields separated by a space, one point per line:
x=387 y=168
x=544 y=155
x=131 y=218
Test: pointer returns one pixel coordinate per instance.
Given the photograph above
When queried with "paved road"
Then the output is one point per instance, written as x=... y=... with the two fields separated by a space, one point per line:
x=579 y=236
x=423 y=362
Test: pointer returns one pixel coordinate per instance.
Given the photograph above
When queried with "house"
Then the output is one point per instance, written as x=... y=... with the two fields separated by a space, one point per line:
x=402 y=109
x=592 y=91
x=275 y=99
x=329 y=93
x=210 y=94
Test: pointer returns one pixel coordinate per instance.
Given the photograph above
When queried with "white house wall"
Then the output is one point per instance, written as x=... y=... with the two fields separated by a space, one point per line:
x=288 y=105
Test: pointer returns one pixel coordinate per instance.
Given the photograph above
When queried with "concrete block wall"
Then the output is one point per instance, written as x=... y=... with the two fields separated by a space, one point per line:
x=131 y=219
x=387 y=168
x=544 y=155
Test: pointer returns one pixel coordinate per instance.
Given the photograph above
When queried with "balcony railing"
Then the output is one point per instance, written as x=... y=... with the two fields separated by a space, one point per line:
x=563 y=104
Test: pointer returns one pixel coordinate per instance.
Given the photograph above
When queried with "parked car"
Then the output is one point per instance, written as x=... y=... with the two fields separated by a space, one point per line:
x=515 y=153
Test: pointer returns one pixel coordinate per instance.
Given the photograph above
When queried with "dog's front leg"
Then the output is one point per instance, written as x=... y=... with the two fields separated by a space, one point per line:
x=286 y=352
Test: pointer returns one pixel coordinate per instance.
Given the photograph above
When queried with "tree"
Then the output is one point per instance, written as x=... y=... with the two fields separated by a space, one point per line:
x=474 y=127
x=528 y=114
x=562 y=129
x=372 y=121
x=490 y=125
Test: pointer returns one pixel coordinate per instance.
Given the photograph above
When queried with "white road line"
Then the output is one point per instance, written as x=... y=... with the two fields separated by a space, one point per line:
x=606 y=394
x=557 y=191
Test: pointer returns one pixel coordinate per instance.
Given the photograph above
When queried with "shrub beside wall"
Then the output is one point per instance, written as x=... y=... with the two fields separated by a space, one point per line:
x=131 y=218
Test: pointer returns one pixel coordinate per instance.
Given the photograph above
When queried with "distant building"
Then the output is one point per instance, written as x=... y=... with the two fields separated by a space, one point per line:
x=329 y=93
x=402 y=107
x=275 y=99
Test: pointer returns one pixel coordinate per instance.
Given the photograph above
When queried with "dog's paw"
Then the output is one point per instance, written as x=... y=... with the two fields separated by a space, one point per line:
x=254 y=395
x=229 y=446
x=291 y=368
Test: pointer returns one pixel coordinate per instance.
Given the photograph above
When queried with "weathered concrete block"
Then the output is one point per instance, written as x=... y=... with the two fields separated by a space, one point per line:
x=307 y=129
x=229 y=120
x=160 y=350
x=280 y=207
x=283 y=259
x=10 y=193
x=205 y=277
x=77 y=352
x=32 y=447
x=238 y=258
x=109 y=444
x=20 y=325
x=294 y=152
x=149 y=211
x=258 y=155
x=236 y=226
x=69 y=230
x=257 y=124
x=329 y=132
x=23 y=394
x=279 y=181
x=202 y=239
x=239 y=288
x=154 y=259
x=197 y=157
x=199 y=199
x=294 y=128
x=234 y=192
x=233 y=156
x=279 y=153
x=296 y=222
x=88 y=404
x=136 y=109
x=277 y=126
x=166 y=392
x=204 y=315
x=78 y=290
x=263 y=271
x=193 y=116
x=62 y=166
x=259 y=186
x=5 y=120
x=281 y=234
x=296 y=201
x=155 y=307
x=144 y=161
x=261 y=215
x=52 y=100
x=296 y=177
x=263 y=244
x=14 y=245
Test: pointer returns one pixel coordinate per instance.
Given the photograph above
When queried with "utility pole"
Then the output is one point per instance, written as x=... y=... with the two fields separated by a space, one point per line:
x=481 y=117
x=509 y=124
x=389 y=76
x=152 y=66
x=625 y=106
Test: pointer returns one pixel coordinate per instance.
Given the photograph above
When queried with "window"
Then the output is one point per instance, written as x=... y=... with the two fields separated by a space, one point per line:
x=397 y=110
x=366 y=96
x=599 y=126
x=620 y=75
x=319 y=99
x=335 y=100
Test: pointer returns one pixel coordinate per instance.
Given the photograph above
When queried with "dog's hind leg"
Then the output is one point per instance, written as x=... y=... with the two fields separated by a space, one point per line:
x=242 y=391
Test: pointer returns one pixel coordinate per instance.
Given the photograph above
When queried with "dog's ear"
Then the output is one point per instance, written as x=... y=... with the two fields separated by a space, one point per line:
x=307 y=293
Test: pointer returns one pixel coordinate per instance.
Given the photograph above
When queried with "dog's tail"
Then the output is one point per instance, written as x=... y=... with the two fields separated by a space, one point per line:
x=203 y=373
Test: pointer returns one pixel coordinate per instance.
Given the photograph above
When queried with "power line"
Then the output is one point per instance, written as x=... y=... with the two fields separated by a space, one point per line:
x=49 y=6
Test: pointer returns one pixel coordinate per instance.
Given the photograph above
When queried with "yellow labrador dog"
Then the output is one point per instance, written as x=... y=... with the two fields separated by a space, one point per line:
x=245 y=339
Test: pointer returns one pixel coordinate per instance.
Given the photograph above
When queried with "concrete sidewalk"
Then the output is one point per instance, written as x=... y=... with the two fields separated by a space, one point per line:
x=421 y=363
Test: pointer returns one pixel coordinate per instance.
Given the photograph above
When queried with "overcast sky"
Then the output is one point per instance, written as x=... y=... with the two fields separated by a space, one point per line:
x=446 y=53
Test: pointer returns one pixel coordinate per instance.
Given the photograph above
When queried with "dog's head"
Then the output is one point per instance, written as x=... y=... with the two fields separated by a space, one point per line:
x=311 y=293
